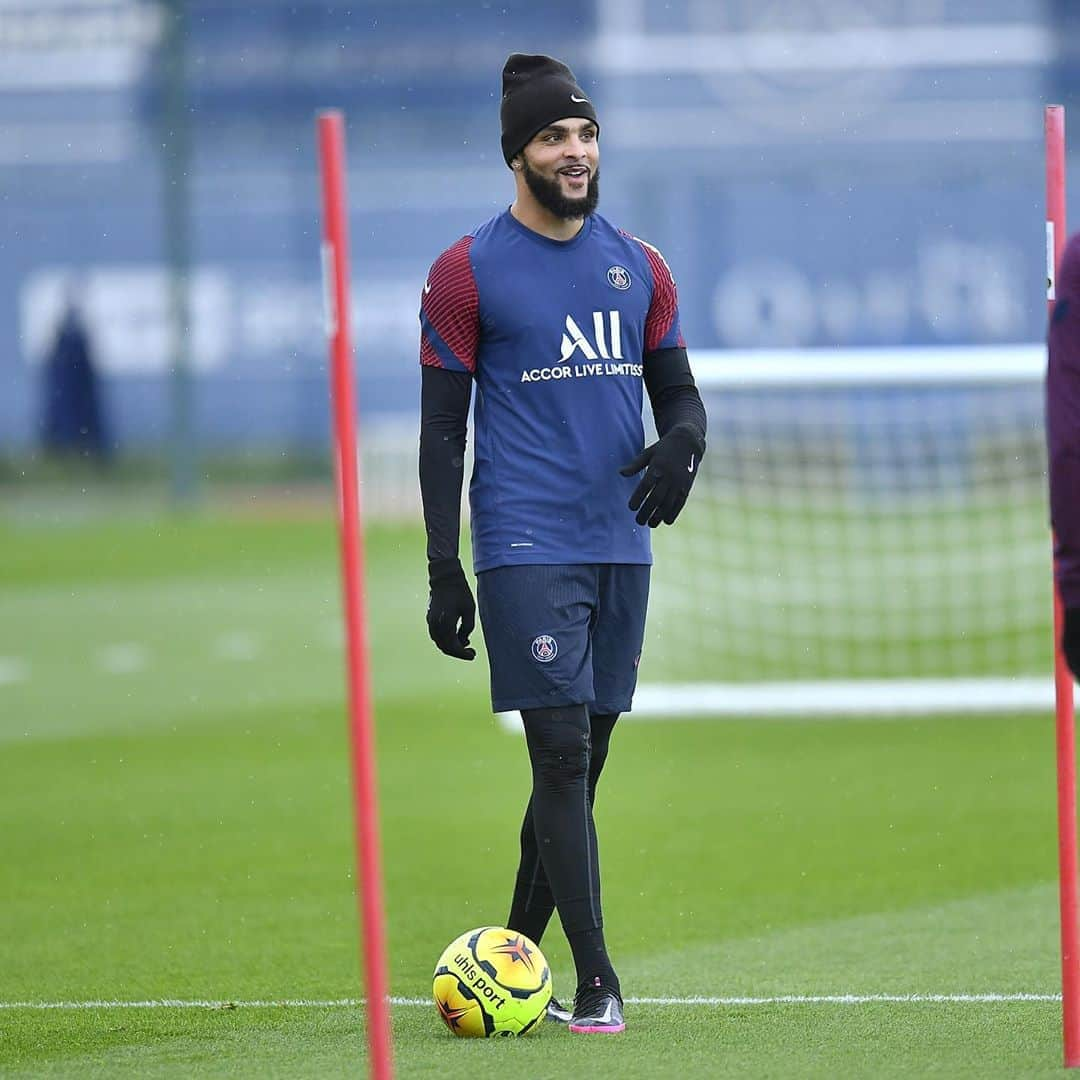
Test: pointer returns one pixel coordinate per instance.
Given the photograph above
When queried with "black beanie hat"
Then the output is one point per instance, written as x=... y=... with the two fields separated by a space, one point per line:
x=537 y=91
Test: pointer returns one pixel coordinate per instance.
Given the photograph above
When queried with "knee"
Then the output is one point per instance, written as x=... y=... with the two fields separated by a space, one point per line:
x=596 y=763
x=560 y=746
x=601 y=737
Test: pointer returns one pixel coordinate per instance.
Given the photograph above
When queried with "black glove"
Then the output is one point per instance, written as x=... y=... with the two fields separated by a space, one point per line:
x=1070 y=640
x=450 y=603
x=672 y=464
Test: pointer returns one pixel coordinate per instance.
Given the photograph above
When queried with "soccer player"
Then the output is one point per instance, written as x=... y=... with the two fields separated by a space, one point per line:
x=560 y=320
x=1063 y=437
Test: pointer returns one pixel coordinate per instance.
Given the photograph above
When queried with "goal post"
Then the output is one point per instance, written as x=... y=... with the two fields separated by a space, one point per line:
x=868 y=534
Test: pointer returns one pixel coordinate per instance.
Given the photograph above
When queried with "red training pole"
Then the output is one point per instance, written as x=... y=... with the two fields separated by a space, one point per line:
x=335 y=261
x=1054 y=126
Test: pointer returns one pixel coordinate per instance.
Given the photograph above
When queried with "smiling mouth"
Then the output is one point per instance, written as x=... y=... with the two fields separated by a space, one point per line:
x=575 y=172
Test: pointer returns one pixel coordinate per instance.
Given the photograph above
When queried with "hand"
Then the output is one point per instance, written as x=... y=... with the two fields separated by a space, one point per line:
x=671 y=464
x=450 y=603
x=1070 y=640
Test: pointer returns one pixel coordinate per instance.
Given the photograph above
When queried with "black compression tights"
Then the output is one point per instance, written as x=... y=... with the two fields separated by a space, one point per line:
x=567 y=749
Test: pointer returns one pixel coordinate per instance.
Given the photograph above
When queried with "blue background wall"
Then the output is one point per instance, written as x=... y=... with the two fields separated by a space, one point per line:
x=803 y=196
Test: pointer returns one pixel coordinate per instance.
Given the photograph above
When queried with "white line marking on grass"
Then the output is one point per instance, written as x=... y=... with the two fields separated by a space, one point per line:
x=123 y=658
x=849 y=999
x=168 y=1003
x=238 y=646
x=350 y=1003
x=12 y=670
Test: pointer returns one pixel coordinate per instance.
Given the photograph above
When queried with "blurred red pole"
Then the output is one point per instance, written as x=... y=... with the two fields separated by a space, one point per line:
x=1054 y=127
x=335 y=254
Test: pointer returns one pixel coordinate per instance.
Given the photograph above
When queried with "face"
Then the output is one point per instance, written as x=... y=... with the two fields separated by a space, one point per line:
x=561 y=166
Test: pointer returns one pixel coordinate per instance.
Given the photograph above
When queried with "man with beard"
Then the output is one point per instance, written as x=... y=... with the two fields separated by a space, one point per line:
x=561 y=320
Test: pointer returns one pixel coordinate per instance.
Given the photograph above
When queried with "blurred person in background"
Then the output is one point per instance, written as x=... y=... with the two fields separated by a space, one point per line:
x=561 y=320
x=73 y=421
x=1063 y=439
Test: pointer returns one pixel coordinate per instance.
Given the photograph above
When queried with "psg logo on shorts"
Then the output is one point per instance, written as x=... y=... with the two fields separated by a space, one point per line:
x=545 y=648
x=618 y=277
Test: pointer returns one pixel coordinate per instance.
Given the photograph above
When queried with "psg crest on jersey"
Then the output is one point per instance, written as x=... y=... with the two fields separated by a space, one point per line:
x=618 y=277
x=545 y=648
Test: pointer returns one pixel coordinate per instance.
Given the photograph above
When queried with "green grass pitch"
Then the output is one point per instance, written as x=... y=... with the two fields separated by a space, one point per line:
x=175 y=825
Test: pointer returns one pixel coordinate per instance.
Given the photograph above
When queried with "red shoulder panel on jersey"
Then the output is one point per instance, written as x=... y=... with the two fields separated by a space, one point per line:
x=450 y=310
x=664 y=308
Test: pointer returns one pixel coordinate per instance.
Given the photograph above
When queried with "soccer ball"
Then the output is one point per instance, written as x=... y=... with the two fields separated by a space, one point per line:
x=491 y=981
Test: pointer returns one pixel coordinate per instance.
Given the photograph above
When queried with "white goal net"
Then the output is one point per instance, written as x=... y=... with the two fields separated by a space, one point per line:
x=869 y=533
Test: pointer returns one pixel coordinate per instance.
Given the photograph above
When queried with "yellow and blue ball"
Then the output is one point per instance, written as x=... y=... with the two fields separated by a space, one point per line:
x=491 y=981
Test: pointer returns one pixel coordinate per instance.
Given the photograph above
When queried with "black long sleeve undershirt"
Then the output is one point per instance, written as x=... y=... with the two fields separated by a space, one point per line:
x=673 y=394
x=444 y=418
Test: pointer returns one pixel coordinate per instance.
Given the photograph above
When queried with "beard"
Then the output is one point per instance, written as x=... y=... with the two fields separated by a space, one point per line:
x=549 y=195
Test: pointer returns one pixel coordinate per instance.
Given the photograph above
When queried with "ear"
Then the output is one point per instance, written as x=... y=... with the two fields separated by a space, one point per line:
x=515 y=163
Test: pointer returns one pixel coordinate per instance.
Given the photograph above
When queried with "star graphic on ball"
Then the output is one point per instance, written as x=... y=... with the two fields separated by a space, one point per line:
x=451 y=1017
x=517 y=949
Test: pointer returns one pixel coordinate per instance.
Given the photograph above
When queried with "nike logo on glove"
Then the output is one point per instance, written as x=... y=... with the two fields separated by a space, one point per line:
x=690 y=467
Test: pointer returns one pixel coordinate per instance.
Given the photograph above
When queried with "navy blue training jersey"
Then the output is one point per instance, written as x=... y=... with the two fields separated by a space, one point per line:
x=555 y=334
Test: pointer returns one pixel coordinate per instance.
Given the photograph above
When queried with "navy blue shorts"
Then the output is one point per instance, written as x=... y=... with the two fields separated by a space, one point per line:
x=563 y=635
